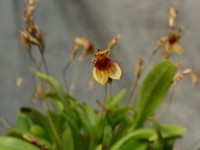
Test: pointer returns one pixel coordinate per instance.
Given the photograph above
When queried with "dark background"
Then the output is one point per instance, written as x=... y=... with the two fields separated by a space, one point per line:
x=140 y=22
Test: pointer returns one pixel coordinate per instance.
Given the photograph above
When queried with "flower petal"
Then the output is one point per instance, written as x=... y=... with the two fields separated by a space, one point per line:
x=102 y=53
x=100 y=75
x=114 y=72
x=169 y=48
x=178 y=48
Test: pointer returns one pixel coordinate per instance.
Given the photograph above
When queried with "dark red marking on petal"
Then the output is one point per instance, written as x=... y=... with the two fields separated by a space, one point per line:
x=103 y=63
x=173 y=38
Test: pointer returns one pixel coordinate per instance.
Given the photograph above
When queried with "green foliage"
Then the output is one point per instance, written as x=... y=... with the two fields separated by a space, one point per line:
x=153 y=90
x=75 y=126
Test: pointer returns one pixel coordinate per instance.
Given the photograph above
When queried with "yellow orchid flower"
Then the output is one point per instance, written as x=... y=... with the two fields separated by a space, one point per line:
x=171 y=43
x=105 y=68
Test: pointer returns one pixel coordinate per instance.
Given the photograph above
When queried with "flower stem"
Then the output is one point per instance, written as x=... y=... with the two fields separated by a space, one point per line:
x=65 y=73
x=74 y=79
x=106 y=93
x=45 y=64
x=51 y=121
x=133 y=91
x=4 y=122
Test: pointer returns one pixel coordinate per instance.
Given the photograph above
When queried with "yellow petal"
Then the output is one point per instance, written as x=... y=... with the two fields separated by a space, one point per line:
x=100 y=76
x=115 y=71
x=169 y=48
x=102 y=53
x=178 y=48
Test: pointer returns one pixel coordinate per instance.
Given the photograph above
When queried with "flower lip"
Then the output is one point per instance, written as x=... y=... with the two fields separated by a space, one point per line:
x=103 y=63
x=174 y=38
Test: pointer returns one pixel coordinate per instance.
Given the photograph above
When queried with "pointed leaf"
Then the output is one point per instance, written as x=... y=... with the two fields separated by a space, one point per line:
x=11 y=143
x=153 y=90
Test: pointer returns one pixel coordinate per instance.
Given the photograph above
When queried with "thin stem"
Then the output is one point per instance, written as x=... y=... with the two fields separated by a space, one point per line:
x=106 y=93
x=51 y=122
x=4 y=122
x=152 y=55
x=110 y=89
x=45 y=64
x=74 y=79
x=171 y=98
x=133 y=91
x=64 y=74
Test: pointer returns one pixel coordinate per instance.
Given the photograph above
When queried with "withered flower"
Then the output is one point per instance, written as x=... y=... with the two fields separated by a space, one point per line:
x=105 y=68
x=33 y=34
x=172 y=16
x=114 y=41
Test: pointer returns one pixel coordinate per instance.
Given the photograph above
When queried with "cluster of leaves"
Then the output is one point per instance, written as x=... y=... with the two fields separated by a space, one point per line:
x=69 y=125
x=74 y=126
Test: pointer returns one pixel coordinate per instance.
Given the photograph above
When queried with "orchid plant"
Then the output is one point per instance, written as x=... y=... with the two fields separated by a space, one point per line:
x=70 y=125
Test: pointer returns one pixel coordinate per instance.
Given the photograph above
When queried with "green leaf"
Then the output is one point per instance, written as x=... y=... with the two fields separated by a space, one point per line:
x=143 y=133
x=113 y=102
x=132 y=145
x=170 y=131
x=99 y=147
x=76 y=132
x=67 y=140
x=87 y=127
x=38 y=118
x=91 y=114
x=11 y=143
x=23 y=123
x=107 y=137
x=153 y=90
x=118 y=114
x=58 y=89
x=37 y=131
x=53 y=83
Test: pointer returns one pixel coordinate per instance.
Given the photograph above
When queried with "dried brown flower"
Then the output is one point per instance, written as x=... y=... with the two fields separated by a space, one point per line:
x=19 y=81
x=114 y=41
x=181 y=74
x=33 y=34
x=87 y=47
x=139 y=68
x=172 y=17
x=38 y=93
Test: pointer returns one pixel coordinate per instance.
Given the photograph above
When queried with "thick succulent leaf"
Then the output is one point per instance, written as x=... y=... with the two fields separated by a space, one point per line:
x=153 y=90
x=12 y=143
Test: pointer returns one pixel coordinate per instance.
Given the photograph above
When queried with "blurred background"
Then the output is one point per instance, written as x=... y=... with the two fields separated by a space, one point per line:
x=140 y=22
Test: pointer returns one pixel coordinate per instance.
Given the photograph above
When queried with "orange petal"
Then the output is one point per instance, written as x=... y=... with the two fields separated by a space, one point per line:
x=178 y=48
x=114 y=72
x=100 y=76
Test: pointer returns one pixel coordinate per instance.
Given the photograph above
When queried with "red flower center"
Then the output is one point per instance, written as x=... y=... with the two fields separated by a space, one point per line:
x=103 y=63
x=173 y=38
